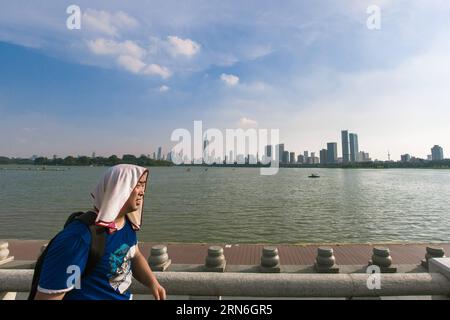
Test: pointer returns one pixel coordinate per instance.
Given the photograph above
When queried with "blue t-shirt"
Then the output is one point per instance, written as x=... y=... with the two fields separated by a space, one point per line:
x=109 y=280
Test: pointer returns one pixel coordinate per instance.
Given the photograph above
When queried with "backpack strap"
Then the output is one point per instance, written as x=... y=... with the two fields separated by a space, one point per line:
x=98 y=240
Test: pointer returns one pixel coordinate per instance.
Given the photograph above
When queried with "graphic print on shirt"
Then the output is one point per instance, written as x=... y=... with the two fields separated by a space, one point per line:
x=120 y=268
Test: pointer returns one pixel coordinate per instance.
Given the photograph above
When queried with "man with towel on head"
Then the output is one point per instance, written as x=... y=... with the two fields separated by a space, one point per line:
x=118 y=204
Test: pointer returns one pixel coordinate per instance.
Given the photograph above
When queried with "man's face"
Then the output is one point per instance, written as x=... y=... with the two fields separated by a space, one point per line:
x=137 y=196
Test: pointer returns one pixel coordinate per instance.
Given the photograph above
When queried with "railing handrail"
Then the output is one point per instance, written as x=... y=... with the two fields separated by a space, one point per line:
x=270 y=285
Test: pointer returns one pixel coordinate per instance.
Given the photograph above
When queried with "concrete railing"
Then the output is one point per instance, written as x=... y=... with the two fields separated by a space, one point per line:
x=270 y=282
x=271 y=285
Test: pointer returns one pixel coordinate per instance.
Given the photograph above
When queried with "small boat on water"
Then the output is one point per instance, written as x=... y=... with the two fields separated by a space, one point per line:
x=314 y=175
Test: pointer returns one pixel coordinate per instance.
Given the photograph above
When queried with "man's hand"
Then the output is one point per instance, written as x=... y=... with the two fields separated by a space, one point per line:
x=144 y=275
x=158 y=291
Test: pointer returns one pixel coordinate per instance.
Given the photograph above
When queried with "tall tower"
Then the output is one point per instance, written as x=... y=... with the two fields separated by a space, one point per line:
x=280 y=149
x=345 y=147
x=331 y=152
x=230 y=159
x=291 y=157
x=437 y=153
x=323 y=156
x=268 y=152
x=159 y=153
x=354 y=148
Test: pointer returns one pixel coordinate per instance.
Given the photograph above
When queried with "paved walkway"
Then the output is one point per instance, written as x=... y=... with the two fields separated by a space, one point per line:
x=346 y=254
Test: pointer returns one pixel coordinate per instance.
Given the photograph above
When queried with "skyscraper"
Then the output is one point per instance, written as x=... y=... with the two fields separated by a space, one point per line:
x=405 y=158
x=285 y=158
x=354 y=148
x=205 y=142
x=314 y=159
x=364 y=156
x=345 y=150
x=305 y=157
x=159 y=153
x=323 y=156
x=268 y=152
x=331 y=152
x=280 y=149
x=206 y=155
x=437 y=153
x=292 y=157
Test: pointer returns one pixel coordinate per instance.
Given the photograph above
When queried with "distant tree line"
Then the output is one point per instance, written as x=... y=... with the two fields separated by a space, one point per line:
x=443 y=164
x=146 y=161
x=87 y=161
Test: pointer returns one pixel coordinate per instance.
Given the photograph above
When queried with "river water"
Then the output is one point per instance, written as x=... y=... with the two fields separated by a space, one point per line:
x=226 y=205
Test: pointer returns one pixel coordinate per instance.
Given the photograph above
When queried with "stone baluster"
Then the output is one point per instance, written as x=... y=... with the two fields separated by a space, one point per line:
x=215 y=260
x=270 y=261
x=4 y=253
x=381 y=257
x=325 y=261
x=5 y=258
x=432 y=252
x=159 y=258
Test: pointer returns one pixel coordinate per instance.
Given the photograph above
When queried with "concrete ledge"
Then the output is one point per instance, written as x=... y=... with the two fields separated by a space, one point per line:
x=7 y=260
x=298 y=285
x=271 y=285
x=17 y=264
x=440 y=265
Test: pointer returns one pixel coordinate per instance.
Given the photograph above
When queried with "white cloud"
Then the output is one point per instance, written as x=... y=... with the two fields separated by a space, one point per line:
x=107 y=23
x=186 y=47
x=158 y=70
x=229 y=79
x=246 y=122
x=111 y=47
x=128 y=55
x=131 y=64
x=163 y=88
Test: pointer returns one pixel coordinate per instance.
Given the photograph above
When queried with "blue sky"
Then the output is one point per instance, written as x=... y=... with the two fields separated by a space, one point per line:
x=137 y=70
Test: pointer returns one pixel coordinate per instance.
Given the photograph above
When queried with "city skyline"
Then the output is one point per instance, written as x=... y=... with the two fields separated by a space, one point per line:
x=287 y=157
x=132 y=74
x=349 y=146
x=325 y=157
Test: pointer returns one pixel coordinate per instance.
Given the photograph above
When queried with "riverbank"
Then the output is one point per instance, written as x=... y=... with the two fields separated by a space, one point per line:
x=424 y=164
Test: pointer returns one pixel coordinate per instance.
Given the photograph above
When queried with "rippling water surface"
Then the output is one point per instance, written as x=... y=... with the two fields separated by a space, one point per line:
x=239 y=205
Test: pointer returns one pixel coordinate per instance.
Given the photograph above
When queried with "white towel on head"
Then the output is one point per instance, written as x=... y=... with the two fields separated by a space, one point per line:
x=113 y=190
